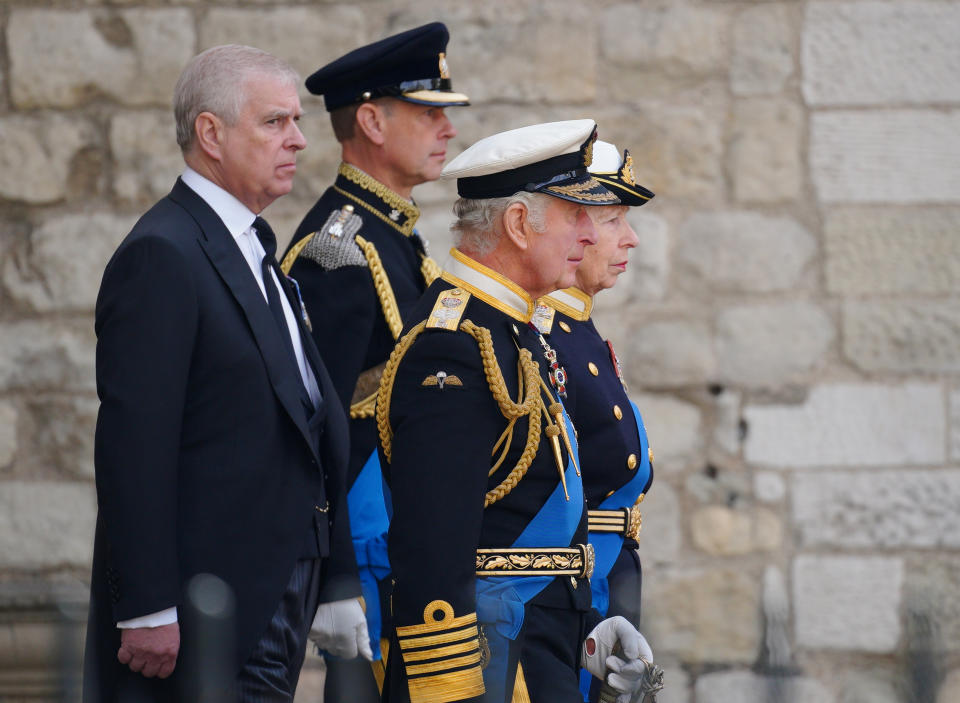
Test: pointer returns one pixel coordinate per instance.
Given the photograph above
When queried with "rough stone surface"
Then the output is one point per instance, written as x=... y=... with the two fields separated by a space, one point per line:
x=674 y=430
x=46 y=524
x=913 y=250
x=47 y=356
x=148 y=161
x=64 y=432
x=668 y=353
x=36 y=154
x=743 y=252
x=931 y=593
x=905 y=508
x=949 y=690
x=647 y=269
x=683 y=620
x=762 y=58
x=765 y=150
x=661 y=533
x=718 y=485
x=748 y=687
x=721 y=531
x=885 y=157
x=726 y=429
x=850 y=425
x=955 y=425
x=133 y=56
x=903 y=53
x=62 y=267
x=772 y=343
x=847 y=603
x=769 y=487
x=8 y=434
x=903 y=335
x=870 y=687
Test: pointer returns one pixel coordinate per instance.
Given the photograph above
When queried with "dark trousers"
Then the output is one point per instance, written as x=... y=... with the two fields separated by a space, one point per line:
x=271 y=673
x=550 y=654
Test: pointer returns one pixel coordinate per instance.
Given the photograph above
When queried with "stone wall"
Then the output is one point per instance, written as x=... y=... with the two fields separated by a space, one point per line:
x=789 y=326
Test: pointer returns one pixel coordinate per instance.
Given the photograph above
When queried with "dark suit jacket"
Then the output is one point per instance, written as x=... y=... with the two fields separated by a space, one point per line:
x=205 y=458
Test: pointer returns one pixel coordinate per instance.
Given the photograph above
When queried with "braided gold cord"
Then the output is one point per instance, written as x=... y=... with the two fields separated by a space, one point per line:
x=430 y=269
x=364 y=408
x=382 y=285
x=385 y=391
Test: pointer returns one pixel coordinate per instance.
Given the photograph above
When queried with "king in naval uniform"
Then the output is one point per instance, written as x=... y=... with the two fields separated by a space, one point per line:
x=361 y=266
x=615 y=455
x=488 y=540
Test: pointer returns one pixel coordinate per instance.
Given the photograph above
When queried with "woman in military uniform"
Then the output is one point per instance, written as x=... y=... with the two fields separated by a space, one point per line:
x=614 y=454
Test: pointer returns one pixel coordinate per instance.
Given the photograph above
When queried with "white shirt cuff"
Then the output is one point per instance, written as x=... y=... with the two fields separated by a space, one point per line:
x=164 y=617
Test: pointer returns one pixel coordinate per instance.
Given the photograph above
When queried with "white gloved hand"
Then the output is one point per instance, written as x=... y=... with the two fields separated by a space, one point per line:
x=602 y=641
x=340 y=628
x=625 y=677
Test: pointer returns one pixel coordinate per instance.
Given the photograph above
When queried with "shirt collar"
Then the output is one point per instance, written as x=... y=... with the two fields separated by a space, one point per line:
x=236 y=216
x=491 y=287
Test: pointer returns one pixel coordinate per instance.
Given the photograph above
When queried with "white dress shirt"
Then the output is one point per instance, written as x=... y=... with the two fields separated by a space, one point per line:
x=238 y=220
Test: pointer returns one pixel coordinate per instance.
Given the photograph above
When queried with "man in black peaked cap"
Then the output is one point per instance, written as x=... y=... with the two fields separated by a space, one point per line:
x=361 y=266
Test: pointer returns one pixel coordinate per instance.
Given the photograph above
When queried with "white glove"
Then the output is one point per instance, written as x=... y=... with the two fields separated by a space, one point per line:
x=606 y=637
x=625 y=677
x=340 y=629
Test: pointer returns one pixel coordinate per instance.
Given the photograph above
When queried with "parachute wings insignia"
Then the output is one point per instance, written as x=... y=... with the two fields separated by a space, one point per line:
x=440 y=379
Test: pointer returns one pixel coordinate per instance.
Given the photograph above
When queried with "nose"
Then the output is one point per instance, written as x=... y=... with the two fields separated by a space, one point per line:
x=630 y=238
x=586 y=230
x=447 y=130
x=296 y=140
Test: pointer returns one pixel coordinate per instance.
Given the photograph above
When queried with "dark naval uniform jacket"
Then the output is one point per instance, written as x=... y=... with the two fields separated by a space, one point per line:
x=361 y=267
x=488 y=536
x=615 y=455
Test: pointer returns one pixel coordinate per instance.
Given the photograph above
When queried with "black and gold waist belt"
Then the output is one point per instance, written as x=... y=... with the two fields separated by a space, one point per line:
x=625 y=521
x=547 y=561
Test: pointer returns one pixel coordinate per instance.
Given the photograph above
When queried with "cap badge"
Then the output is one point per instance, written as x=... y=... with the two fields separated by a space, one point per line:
x=626 y=171
x=444 y=69
x=588 y=150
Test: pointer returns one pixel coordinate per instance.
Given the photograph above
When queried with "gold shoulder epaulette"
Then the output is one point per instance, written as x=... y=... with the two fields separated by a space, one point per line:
x=448 y=309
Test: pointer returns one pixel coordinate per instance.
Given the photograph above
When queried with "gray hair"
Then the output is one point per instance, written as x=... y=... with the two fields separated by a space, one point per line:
x=214 y=81
x=478 y=221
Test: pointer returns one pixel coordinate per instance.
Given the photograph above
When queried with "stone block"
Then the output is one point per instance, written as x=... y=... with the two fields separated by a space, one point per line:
x=892 y=251
x=37 y=155
x=949 y=690
x=771 y=344
x=870 y=687
x=146 y=157
x=903 y=52
x=8 y=434
x=931 y=593
x=734 y=252
x=769 y=487
x=903 y=335
x=847 y=424
x=765 y=150
x=63 y=433
x=45 y=524
x=56 y=356
x=875 y=508
x=306 y=36
x=885 y=156
x=674 y=428
x=677 y=684
x=726 y=428
x=763 y=50
x=722 y=531
x=666 y=352
x=742 y=686
x=955 y=424
x=61 y=268
x=847 y=603
x=675 y=39
x=719 y=485
x=647 y=269
x=661 y=534
x=65 y=58
x=703 y=616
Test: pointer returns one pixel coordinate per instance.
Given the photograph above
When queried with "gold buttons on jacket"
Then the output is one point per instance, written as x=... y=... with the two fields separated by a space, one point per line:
x=632 y=462
x=617 y=412
x=593 y=368
x=564 y=326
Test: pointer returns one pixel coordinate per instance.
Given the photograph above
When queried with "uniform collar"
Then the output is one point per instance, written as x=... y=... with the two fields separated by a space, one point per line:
x=372 y=195
x=572 y=302
x=491 y=287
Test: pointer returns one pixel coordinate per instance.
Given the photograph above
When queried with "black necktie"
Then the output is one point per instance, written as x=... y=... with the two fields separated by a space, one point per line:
x=269 y=263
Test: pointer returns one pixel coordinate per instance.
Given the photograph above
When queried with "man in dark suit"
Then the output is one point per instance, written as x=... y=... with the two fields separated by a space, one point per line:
x=220 y=446
x=362 y=266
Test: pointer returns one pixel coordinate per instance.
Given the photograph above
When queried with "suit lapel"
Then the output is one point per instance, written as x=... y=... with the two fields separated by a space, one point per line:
x=228 y=261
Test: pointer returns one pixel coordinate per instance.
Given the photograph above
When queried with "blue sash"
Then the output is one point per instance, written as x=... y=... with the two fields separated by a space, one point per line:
x=369 y=523
x=501 y=599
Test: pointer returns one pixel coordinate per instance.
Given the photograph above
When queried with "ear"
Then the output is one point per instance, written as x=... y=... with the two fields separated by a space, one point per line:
x=515 y=225
x=371 y=120
x=209 y=130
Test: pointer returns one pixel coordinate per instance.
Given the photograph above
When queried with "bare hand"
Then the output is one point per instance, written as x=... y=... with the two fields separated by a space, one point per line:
x=152 y=651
